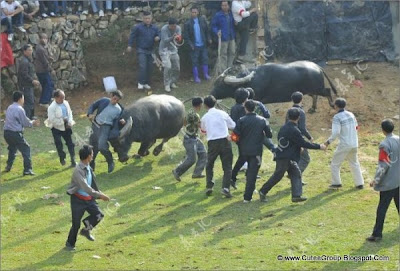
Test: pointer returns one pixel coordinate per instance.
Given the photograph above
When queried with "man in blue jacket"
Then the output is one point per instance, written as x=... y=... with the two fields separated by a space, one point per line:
x=287 y=156
x=223 y=26
x=144 y=35
x=105 y=126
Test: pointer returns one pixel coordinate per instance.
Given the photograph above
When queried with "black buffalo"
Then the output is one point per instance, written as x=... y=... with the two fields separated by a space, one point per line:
x=275 y=83
x=153 y=117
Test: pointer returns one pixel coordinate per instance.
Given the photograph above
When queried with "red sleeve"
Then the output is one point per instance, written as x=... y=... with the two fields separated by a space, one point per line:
x=235 y=137
x=241 y=11
x=383 y=156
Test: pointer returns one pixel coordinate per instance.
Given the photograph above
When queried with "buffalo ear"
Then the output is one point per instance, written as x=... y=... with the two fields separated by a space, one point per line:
x=126 y=130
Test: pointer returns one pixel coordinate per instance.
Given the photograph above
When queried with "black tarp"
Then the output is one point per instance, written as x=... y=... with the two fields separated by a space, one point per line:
x=320 y=31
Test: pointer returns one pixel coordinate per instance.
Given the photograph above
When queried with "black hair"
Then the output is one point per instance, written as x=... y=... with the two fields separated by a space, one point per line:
x=85 y=151
x=251 y=93
x=172 y=21
x=117 y=93
x=197 y=101
x=210 y=101
x=241 y=94
x=57 y=93
x=387 y=125
x=340 y=102
x=293 y=113
x=146 y=13
x=194 y=7
x=26 y=47
x=17 y=95
x=250 y=105
x=297 y=97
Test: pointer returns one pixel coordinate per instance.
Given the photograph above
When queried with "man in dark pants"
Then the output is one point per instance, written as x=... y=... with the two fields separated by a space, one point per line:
x=26 y=80
x=287 y=156
x=60 y=121
x=105 y=126
x=192 y=144
x=43 y=69
x=297 y=98
x=84 y=192
x=197 y=35
x=386 y=179
x=144 y=35
x=14 y=125
x=251 y=131
x=216 y=124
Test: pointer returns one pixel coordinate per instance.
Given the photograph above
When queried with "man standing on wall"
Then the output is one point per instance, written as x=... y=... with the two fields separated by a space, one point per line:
x=144 y=35
x=170 y=33
x=43 y=70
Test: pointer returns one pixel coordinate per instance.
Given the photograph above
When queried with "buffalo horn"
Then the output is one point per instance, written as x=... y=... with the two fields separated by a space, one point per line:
x=233 y=80
x=126 y=129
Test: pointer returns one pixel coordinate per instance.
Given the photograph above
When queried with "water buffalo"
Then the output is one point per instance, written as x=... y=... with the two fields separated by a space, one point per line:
x=275 y=83
x=153 y=117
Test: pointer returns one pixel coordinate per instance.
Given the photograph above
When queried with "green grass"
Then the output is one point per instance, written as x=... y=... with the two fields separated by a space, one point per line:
x=178 y=227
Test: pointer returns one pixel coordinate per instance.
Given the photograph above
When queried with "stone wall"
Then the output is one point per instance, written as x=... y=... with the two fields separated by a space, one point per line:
x=67 y=35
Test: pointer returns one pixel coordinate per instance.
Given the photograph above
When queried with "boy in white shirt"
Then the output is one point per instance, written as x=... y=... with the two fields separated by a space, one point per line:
x=12 y=14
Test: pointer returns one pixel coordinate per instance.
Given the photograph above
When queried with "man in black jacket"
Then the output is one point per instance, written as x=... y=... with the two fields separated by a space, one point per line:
x=197 y=35
x=287 y=156
x=251 y=130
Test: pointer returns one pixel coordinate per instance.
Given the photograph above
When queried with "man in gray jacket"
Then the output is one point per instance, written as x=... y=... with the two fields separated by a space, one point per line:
x=386 y=179
x=84 y=192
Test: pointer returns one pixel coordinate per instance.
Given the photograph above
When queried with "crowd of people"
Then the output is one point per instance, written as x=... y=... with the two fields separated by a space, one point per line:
x=248 y=122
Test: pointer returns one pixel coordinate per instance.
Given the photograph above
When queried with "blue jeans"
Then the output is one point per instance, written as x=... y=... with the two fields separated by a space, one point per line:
x=57 y=7
x=47 y=87
x=145 y=61
x=199 y=56
x=17 y=20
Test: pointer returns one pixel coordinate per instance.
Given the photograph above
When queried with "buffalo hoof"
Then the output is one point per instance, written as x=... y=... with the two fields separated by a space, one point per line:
x=157 y=151
x=311 y=110
x=123 y=160
x=137 y=156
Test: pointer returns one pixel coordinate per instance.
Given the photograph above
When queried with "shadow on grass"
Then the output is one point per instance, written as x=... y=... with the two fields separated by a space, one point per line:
x=390 y=239
x=60 y=258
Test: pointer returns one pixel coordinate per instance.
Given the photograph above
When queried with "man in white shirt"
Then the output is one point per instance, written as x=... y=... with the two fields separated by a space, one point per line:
x=60 y=121
x=215 y=123
x=12 y=14
x=246 y=20
x=345 y=126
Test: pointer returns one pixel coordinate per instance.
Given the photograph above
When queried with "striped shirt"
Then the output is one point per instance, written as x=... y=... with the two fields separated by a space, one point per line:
x=344 y=126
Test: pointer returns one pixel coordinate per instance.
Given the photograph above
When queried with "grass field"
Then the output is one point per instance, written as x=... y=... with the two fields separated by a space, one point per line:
x=178 y=227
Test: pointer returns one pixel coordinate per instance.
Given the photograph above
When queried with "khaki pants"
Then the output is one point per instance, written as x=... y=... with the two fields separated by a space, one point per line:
x=349 y=154
x=171 y=67
x=228 y=49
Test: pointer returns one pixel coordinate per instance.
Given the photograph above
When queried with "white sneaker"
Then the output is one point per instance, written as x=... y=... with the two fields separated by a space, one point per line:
x=244 y=167
x=246 y=201
x=173 y=85
x=85 y=12
x=127 y=9
x=10 y=37
x=140 y=86
x=101 y=13
x=167 y=89
x=146 y=86
x=44 y=15
x=52 y=14
x=21 y=28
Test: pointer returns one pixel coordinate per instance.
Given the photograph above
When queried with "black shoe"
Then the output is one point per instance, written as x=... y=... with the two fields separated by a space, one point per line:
x=233 y=184
x=87 y=234
x=69 y=247
x=299 y=199
x=226 y=193
x=360 y=186
x=335 y=186
x=111 y=167
x=263 y=197
x=73 y=164
x=7 y=169
x=209 y=191
x=62 y=162
x=373 y=239
x=176 y=175
x=198 y=176
x=29 y=172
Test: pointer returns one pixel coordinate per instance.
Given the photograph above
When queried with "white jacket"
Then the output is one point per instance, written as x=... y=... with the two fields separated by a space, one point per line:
x=55 y=116
x=239 y=10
